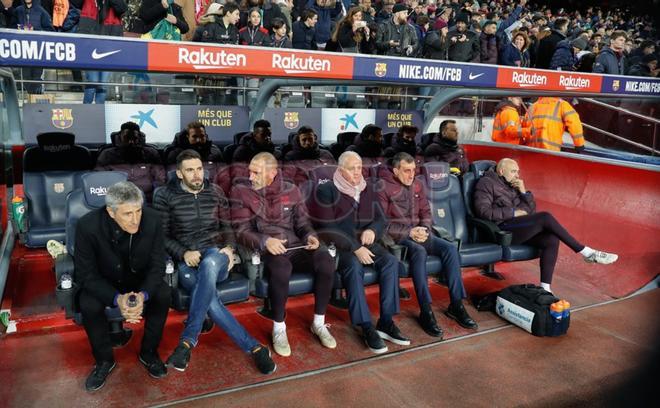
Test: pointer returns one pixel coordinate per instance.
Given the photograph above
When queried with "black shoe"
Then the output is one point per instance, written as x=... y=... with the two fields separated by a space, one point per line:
x=207 y=326
x=99 y=374
x=461 y=315
x=373 y=341
x=121 y=339
x=153 y=364
x=404 y=294
x=391 y=333
x=263 y=360
x=180 y=357
x=429 y=324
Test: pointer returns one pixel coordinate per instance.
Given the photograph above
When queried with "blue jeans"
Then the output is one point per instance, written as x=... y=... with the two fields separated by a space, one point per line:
x=95 y=93
x=451 y=267
x=201 y=283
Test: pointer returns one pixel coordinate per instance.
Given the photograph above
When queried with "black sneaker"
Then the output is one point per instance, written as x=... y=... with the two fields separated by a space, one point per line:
x=121 y=339
x=391 y=333
x=153 y=364
x=429 y=324
x=207 y=326
x=180 y=357
x=99 y=374
x=461 y=315
x=373 y=341
x=263 y=360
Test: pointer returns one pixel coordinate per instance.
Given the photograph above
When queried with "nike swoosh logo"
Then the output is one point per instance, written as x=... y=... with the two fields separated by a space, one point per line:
x=98 y=55
x=474 y=76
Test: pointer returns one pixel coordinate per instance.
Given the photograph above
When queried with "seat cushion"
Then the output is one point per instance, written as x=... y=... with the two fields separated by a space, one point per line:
x=38 y=236
x=519 y=253
x=480 y=254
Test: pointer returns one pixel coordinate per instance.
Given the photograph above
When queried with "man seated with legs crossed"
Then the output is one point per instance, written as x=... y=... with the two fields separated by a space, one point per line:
x=349 y=214
x=500 y=196
x=409 y=224
x=270 y=216
x=197 y=235
x=120 y=262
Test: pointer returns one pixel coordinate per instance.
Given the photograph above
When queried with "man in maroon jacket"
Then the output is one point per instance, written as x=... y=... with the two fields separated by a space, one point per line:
x=409 y=214
x=271 y=217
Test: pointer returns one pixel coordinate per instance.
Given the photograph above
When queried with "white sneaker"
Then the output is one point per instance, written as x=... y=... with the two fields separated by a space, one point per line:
x=281 y=344
x=55 y=248
x=601 y=257
x=324 y=335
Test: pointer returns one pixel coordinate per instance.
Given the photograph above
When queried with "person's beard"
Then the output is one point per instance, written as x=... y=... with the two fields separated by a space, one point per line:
x=132 y=153
x=204 y=149
x=404 y=145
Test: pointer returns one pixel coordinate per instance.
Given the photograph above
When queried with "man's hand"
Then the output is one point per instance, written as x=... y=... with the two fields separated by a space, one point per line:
x=171 y=18
x=368 y=237
x=312 y=243
x=131 y=314
x=519 y=213
x=192 y=258
x=520 y=185
x=444 y=31
x=419 y=234
x=364 y=255
x=165 y=4
x=7 y=3
x=276 y=246
x=522 y=3
x=229 y=251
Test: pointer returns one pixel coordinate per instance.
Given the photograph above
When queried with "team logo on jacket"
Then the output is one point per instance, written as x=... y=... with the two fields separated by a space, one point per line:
x=291 y=120
x=441 y=212
x=62 y=118
x=616 y=84
x=381 y=69
x=58 y=187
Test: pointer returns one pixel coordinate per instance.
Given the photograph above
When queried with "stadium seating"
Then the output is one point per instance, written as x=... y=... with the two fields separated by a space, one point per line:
x=344 y=140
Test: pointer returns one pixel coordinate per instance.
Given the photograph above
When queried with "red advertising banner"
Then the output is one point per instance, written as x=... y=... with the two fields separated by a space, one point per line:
x=214 y=59
x=548 y=80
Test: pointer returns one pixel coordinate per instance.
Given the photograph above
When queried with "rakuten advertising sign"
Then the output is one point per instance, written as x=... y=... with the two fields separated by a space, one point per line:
x=548 y=80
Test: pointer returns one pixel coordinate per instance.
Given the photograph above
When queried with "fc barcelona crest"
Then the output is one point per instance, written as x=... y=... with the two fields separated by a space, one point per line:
x=616 y=84
x=291 y=120
x=381 y=69
x=62 y=118
x=58 y=187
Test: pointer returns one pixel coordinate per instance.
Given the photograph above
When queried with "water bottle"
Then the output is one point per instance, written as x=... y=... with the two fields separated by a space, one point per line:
x=18 y=212
x=557 y=312
x=66 y=282
x=332 y=249
x=169 y=271
x=256 y=258
x=132 y=301
x=566 y=313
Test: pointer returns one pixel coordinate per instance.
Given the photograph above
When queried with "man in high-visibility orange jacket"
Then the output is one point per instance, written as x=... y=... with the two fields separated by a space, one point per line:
x=507 y=126
x=549 y=117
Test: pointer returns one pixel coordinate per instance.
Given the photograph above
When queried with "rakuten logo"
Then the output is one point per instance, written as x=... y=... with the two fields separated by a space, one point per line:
x=570 y=82
x=203 y=59
x=524 y=79
x=292 y=64
x=98 y=191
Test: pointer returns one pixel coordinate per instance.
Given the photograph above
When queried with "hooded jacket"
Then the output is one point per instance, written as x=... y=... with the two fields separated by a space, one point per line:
x=300 y=162
x=102 y=17
x=248 y=148
x=496 y=200
x=607 y=62
x=212 y=29
x=547 y=48
x=35 y=17
x=563 y=58
x=445 y=150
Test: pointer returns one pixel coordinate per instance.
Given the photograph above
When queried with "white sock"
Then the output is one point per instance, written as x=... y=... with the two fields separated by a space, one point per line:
x=546 y=286
x=279 y=327
x=587 y=252
x=319 y=320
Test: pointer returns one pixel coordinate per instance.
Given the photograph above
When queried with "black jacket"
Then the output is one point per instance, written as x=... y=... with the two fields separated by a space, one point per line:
x=212 y=29
x=444 y=150
x=547 y=48
x=435 y=46
x=152 y=12
x=100 y=268
x=248 y=148
x=193 y=221
x=304 y=38
x=463 y=51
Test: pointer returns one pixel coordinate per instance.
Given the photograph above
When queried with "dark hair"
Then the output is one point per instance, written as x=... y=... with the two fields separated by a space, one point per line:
x=422 y=19
x=195 y=125
x=561 y=23
x=368 y=131
x=229 y=8
x=407 y=129
x=489 y=22
x=187 y=154
x=261 y=123
x=307 y=14
x=252 y=10
x=277 y=23
x=491 y=15
x=305 y=129
x=130 y=126
x=401 y=156
x=618 y=34
x=444 y=123
x=646 y=44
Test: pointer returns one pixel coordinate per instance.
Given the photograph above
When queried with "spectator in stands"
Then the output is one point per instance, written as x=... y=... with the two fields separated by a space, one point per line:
x=286 y=7
x=120 y=259
x=647 y=47
x=153 y=11
x=549 y=116
x=488 y=43
x=100 y=17
x=508 y=126
x=279 y=38
x=257 y=141
x=436 y=43
x=268 y=10
x=647 y=67
x=142 y=163
x=304 y=31
x=463 y=44
x=213 y=29
x=422 y=25
x=253 y=33
x=502 y=197
x=410 y=224
x=548 y=45
x=405 y=142
x=611 y=59
x=327 y=11
x=385 y=12
x=516 y=53
x=270 y=216
x=350 y=215
x=396 y=37
x=368 y=12
x=192 y=11
x=63 y=15
x=305 y=156
x=444 y=147
x=352 y=33
x=194 y=137
x=198 y=237
x=565 y=57
x=6 y=12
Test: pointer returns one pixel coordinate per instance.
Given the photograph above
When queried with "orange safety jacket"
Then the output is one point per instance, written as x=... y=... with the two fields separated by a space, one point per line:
x=507 y=127
x=549 y=116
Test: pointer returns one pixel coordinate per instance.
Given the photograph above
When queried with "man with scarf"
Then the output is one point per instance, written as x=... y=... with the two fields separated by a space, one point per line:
x=369 y=146
x=406 y=207
x=130 y=155
x=349 y=215
x=444 y=147
x=270 y=216
x=305 y=156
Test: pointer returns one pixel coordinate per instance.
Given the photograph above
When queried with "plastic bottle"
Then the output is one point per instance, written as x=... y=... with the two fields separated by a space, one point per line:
x=132 y=301
x=332 y=249
x=169 y=272
x=566 y=313
x=66 y=282
x=557 y=311
x=18 y=212
x=256 y=258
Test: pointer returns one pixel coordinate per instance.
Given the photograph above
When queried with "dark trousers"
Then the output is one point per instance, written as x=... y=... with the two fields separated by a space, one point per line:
x=352 y=274
x=96 y=323
x=451 y=267
x=541 y=230
x=279 y=268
